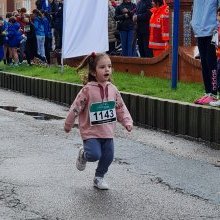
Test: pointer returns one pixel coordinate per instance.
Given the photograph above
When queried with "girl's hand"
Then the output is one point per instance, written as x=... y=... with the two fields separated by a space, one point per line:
x=129 y=128
x=67 y=130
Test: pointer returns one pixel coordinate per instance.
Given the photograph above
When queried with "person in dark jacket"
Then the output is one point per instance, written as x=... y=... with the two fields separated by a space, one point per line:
x=38 y=4
x=126 y=26
x=31 y=43
x=142 y=18
x=57 y=13
x=112 y=29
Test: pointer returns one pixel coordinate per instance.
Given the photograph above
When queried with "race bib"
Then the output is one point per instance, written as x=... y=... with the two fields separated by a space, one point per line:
x=102 y=113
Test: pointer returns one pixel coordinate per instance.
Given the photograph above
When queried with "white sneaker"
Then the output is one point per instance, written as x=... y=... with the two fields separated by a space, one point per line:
x=215 y=104
x=100 y=183
x=81 y=161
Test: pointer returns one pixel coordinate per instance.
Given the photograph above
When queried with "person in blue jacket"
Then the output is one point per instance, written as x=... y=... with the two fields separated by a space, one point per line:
x=43 y=5
x=48 y=34
x=2 y=37
x=46 y=5
x=14 y=36
x=40 y=33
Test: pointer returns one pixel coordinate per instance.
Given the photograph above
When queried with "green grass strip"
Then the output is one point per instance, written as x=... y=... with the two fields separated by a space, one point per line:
x=126 y=82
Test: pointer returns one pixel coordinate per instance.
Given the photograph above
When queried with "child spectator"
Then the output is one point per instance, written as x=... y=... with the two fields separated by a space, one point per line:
x=31 y=43
x=14 y=38
x=20 y=19
x=98 y=105
x=48 y=35
x=40 y=34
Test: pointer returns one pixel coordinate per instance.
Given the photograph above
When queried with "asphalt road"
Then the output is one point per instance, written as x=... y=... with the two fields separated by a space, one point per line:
x=154 y=175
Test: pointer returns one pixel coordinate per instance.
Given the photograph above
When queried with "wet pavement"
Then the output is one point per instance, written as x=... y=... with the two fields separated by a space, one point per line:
x=154 y=175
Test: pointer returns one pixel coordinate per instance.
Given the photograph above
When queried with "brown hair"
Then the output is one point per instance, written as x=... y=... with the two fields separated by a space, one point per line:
x=12 y=19
x=23 y=10
x=91 y=62
x=37 y=13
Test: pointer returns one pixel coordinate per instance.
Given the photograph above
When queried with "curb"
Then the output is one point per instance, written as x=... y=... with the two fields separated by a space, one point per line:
x=179 y=118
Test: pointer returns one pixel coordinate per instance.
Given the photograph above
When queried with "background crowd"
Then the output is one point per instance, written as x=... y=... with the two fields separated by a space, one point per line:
x=135 y=29
x=141 y=28
x=32 y=37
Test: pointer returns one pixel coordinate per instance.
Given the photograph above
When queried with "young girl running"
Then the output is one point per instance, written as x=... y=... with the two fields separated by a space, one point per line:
x=98 y=105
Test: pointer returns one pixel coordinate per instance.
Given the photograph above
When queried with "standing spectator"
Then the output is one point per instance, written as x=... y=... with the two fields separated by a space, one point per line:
x=111 y=28
x=217 y=103
x=46 y=5
x=20 y=19
x=204 y=23
x=57 y=13
x=31 y=43
x=159 y=27
x=6 y=48
x=124 y=15
x=2 y=37
x=48 y=35
x=14 y=38
x=142 y=18
x=40 y=33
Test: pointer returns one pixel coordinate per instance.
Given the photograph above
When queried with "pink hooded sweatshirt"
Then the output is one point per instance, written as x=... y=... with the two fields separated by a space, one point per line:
x=93 y=92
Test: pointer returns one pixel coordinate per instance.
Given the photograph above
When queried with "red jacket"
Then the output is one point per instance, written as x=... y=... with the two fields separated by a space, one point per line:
x=159 y=28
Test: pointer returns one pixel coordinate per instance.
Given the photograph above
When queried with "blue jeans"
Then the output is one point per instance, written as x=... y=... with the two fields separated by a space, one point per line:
x=40 y=45
x=101 y=149
x=127 y=40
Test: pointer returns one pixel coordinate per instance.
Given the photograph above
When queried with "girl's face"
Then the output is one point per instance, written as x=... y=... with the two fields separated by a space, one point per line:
x=103 y=69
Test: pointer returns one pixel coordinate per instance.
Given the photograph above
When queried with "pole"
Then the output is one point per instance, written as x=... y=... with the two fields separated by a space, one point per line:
x=175 y=44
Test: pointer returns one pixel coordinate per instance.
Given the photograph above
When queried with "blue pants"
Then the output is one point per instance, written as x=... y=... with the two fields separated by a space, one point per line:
x=127 y=40
x=101 y=149
x=40 y=45
x=1 y=53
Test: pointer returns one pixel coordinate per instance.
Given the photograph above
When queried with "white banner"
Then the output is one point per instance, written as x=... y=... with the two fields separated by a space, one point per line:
x=85 y=27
